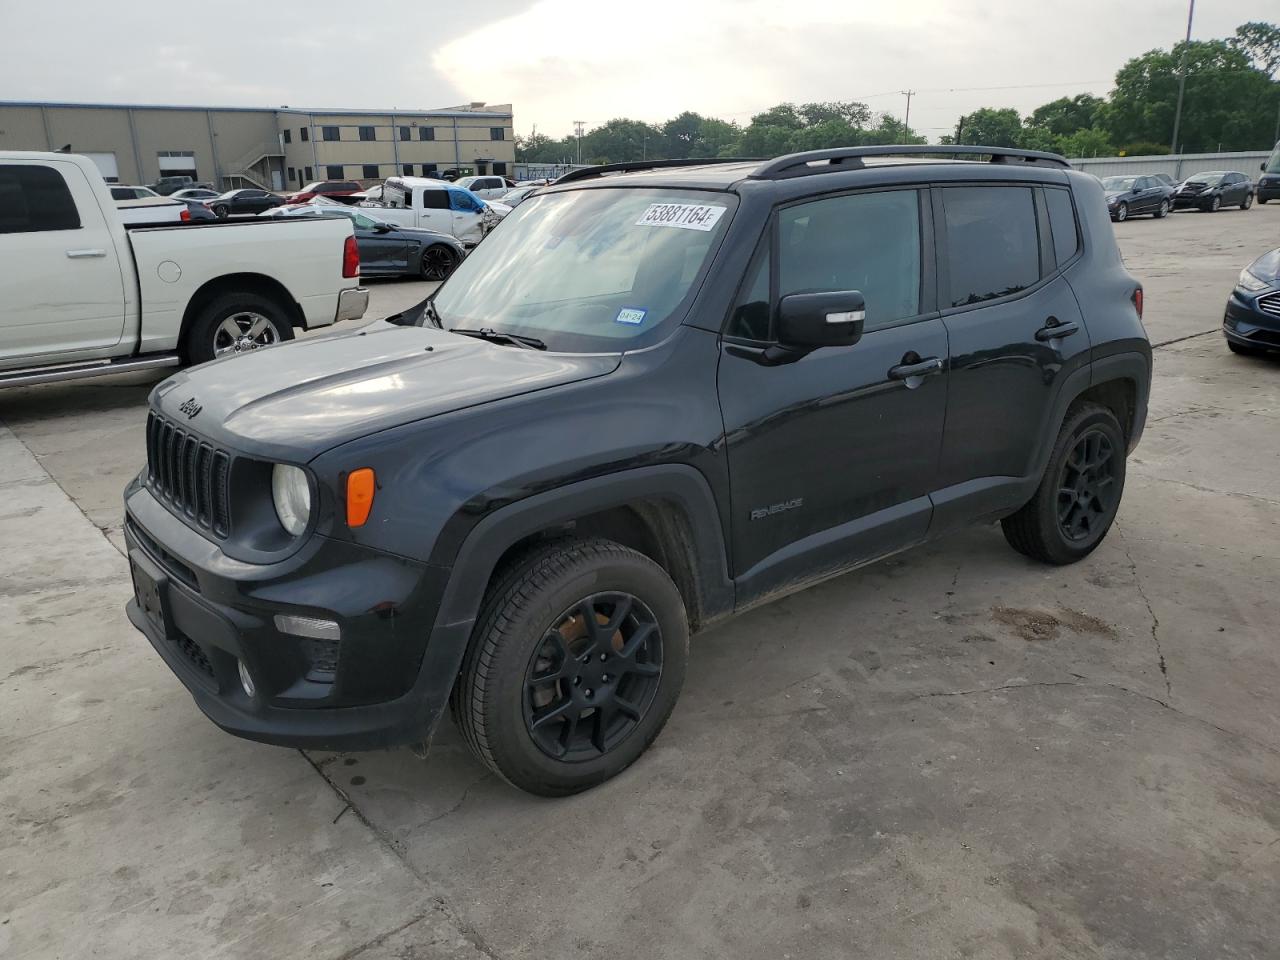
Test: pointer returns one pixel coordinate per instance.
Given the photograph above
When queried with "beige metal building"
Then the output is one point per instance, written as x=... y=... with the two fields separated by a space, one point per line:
x=278 y=149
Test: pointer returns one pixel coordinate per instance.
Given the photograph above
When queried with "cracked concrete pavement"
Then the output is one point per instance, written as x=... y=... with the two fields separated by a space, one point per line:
x=954 y=753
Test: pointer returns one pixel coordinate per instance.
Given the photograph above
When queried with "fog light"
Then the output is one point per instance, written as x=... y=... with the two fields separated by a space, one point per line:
x=308 y=627
x=246 y=681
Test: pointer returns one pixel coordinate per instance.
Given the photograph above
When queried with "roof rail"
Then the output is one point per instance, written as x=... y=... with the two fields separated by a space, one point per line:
x=587 y=173
x=850 y=158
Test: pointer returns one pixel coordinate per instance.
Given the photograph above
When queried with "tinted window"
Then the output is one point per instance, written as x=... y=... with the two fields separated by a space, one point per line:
x=500 y=167
x=868 y=242
x=122 y=193
x=404 y=133
x=333 y=171
x=292 y=174
x=426 y=133
x=306 y=133
x=35 y=199
x=992 y=246
x=1062 y=223
x=370 y=171
x=308 y=173
x=750 y=317
x=366 y=133
x=462 y=200
x=435 y=199
x=495 y=133
x=407 y=169
x=330 y=133
x=288 y=135
x=429 y=169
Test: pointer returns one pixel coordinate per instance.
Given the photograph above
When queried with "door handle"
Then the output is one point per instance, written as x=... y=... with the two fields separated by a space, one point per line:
x=84 y=254
x=915 y=368
x=1053 y=329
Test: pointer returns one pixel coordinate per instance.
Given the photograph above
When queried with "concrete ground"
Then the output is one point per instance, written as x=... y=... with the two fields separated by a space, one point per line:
x=953 y=754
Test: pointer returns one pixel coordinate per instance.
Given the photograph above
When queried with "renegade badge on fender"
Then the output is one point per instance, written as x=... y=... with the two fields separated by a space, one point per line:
x=656 y=395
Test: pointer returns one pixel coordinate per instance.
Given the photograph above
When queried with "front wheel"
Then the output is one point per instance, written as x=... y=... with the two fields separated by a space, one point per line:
x=1163 y=210
x=1247 y=202
x=575 y=664
x=1122 y=213
x=1215 y=204
x=236 y=323
x=438 y=262
x=221 y=211
x=1079 y=494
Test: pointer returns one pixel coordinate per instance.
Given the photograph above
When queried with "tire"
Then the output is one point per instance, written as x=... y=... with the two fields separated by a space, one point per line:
x=1247 y=202
x=522 y=694
x=1262 y=199
x=1215 y=204
x=221 y=211
x=1122 y=213
x=1039 y=530
x=262 y=322
x=1162 y=211
x=438 y=262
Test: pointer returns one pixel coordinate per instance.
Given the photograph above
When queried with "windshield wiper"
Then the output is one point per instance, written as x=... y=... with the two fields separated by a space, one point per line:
x=497 y=336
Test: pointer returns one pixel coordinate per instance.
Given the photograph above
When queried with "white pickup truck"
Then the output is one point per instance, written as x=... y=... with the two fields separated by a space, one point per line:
x=435 y=205
x=82 y=294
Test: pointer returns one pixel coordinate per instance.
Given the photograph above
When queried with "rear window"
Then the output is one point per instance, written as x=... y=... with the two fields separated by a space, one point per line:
x=993 y=249
x=35 y=199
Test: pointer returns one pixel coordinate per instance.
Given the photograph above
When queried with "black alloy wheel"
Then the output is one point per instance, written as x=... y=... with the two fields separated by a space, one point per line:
x=593 y=677
x=1087 y=486
x=438 y=262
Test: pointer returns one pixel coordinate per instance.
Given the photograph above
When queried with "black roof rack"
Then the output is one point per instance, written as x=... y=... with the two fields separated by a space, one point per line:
x=586 y=173
x=850 y=158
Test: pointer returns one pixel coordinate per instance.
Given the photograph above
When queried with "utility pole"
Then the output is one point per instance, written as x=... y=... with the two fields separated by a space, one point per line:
x=906 y=122
x=1182 y=78
x=577 y=125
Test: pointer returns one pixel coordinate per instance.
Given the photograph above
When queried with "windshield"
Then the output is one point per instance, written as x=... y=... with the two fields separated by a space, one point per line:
x=1119 y=183
x=1212 y=179
x=589 y=270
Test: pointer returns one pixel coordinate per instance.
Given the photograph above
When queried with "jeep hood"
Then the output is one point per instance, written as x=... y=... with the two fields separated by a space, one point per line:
x=295 y=401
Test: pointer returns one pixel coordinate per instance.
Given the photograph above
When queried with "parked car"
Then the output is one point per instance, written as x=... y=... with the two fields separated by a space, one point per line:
x=151 y=211
x=84 y=296
x=1213 y=190
x=1133 y=196
x=513 y=198
x=1252 y=321
x=369 y=194
x=195 y=193
x=166 y=186
x=344 y=191
x=1269 y=182
x=434 y=205
x=1167 y=180
x=387 y=249
x=246 y=200
x=486 y=187
x=123 y=192
x=196 y=209
x=647 y=402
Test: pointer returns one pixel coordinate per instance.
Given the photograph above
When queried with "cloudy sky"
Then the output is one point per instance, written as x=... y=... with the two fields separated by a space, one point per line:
x=563 y=60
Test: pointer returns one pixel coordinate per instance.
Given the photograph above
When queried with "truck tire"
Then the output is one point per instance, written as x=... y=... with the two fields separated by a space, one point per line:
x=1079 y=494
x=236 y=323
x=575 y=664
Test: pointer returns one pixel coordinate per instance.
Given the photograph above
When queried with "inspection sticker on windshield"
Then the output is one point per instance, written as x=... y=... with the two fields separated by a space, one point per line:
x=687 y=216
x=631 y=315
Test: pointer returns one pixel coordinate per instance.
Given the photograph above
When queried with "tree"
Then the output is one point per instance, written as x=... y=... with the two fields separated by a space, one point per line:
x=1093 y=142
x=1260 y=42
x=991 y=128
x=851 y=112
x=1066 y=115
x=622 y=140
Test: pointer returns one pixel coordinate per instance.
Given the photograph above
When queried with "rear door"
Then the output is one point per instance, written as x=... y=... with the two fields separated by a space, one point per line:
x=1015 y=333
x=61 y=289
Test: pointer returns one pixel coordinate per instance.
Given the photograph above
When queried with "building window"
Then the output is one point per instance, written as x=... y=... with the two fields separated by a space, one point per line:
x=306 y=133
x=500 y=168
x=497 y=133
x=330 y=133
x=404 y=133
x=370 y=171
x=426 y=133
x=292 y=174
x=333 y=171
x=288 y=135
x=407 y=170
x=367 y=133
x=429 y=169
x=308 y=174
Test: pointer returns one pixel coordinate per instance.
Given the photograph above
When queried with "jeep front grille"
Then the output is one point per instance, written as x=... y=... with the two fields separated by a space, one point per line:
x=189 y=474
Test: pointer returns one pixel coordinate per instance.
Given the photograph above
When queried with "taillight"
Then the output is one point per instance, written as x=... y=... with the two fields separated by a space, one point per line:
x=1137 y=300
x=350 y=258
x=185 y=215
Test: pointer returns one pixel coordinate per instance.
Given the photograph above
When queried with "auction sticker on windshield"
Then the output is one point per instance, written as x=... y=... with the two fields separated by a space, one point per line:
x=687 y=216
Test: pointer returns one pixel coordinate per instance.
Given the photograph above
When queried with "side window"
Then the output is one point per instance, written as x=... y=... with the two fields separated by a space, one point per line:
x=461 y=200
x=34 y=200
x=868 y=242
x=750 y=318
x=435 y=199
x=992 y=246
x=1062 y=224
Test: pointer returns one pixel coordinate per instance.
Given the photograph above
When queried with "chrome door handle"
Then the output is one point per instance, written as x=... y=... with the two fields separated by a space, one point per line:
x=83 y=254
x=919 y=368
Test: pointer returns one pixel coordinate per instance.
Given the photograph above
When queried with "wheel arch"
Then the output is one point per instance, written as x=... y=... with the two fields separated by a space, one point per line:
x=257 y=283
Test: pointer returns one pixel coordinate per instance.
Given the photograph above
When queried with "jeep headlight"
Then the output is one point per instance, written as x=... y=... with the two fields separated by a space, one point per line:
x=291 y=494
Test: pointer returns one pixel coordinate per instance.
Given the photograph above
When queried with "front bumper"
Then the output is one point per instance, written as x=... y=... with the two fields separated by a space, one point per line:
x=1245 y=323
x=352 y=303
x=385 y=682
x=1269 y=189
x=1183 y=201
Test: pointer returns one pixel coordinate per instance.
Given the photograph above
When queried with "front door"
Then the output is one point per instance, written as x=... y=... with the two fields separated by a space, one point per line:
x=434 y=212
x=832 y=457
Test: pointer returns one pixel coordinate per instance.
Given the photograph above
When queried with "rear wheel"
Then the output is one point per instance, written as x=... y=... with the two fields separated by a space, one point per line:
x=1122 y=213
x=236 y=323
x=1079 y=494
x=438 y=262
x=576 y=663
x=221 y=211
x=1163 y=210
x=1247 y=202
x=1215 y=204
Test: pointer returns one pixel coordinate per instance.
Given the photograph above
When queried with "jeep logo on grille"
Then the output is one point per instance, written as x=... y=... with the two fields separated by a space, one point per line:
x=190 y=407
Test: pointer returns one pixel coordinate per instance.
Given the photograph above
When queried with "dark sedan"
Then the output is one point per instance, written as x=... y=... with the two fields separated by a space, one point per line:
x=248 y=200
x=1214 y=189
x=1132 y=196
x=1252 y=321
x=388 y=250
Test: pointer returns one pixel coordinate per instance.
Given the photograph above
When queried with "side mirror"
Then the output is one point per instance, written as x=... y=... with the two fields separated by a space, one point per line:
x=1263 y=166
x=382 y=228
x=807 y=321
x=1137 y=189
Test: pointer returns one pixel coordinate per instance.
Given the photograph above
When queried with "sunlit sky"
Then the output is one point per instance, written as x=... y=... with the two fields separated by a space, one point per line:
x=563 y=60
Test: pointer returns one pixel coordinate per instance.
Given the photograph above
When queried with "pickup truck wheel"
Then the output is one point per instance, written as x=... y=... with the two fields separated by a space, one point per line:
x=1076 y=502
x=438 y=262
x=577 y=660
x=236 y=323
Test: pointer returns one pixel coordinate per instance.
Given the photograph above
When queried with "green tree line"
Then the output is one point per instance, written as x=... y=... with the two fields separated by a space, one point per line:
x=1231 y=102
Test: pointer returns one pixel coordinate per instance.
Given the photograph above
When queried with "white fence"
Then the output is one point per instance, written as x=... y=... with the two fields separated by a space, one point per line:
x=1178 y=166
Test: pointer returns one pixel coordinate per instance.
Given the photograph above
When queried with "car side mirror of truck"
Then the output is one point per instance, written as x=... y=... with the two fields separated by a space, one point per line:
x=808 y=321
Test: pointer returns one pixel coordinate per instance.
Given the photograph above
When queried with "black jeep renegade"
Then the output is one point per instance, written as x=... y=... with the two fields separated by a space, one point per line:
x=657 y=395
